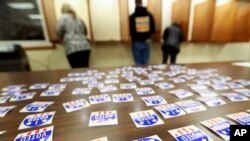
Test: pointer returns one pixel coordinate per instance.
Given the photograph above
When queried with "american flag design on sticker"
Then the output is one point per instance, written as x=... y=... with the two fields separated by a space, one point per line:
x=220 y=126
x=75 y=105
x=242 y=118
x=154 y=100
x=189 y=133
x=124 y=97
x=43 y=134
x=144 y=91
x=96 y=99
x=170 y=110
x=103 y=118
x=37 y=106
x=37 y=120
x=146 y=118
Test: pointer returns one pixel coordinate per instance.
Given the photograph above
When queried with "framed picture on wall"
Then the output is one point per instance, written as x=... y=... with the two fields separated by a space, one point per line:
x=22 y=22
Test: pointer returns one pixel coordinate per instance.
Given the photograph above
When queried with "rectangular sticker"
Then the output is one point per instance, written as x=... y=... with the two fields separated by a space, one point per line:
x=37 y=106
x=52 y=92
x=191 y=106
x=5 y=109
x=103 y=118
x=245 y=92
x=180 y=93
x=101 y=139
x=206 y=93
x=81 y=91
x=170 y=110
x=146 y=118
x=75 y=105
x=165 y=85
x=43 y=134
x=145 y=91
x=108 y=88
x=128 y=86
x=151 y=138
x=96 y=99
x=21 y=97
x=154 y=100
x=235 y=97
x=37 y=120
x=3 y=99
x=39 y=86
x=242 y=118
x=212 y=101
x=124 y=97
x=189 y=133
x=57 y=86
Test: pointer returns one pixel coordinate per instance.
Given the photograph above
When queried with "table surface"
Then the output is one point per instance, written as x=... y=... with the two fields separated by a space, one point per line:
x=74 y=126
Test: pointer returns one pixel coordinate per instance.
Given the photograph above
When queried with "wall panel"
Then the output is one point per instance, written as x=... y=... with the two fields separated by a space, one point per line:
x=154 y=6
x=124 y=19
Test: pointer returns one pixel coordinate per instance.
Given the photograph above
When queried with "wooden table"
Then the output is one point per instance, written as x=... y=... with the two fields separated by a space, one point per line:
x=74 y=126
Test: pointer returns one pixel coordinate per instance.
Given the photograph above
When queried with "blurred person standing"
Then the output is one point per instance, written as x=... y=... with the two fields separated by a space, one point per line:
x=141 y=27
x=171 y=46
x=73 y=32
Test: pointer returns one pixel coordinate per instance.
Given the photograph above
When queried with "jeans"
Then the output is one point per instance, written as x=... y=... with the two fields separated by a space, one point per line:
x=141 y=52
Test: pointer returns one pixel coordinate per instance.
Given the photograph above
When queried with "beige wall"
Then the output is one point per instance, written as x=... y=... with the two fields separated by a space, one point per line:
x=105 y=18
x=81 y=8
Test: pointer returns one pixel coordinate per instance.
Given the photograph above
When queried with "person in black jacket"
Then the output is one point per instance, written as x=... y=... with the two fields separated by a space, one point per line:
x=141 y=27
x=171 y=46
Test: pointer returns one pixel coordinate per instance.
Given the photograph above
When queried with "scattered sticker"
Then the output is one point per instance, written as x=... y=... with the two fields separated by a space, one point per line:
x=220 y=126
x=127 y=86
x=146 y=118
x=124 y=97
x=75 y=105
x=43 y=134
x=212 y=101
x=96 y=99
x=37 y=106
x=146 y=82
x=101 y=139
x=191 y=106
x=151 y=138
x=39 y=86
x=145 y=91
x=180 y=93
x=21 y=97
x=154 y=100
x=108 y=88
x=165 y=85
x=103 y=118
x=1 y=132
x=82 y=91
x=52 y=92
x=170 y=110
x=245 y=92
x=37 y=120
x=3 y=99
x=189 y=133
x=111 y=81
x=13 y=87
x=242 y=118
x=205 y=92
x=5 y=109
x=57 y=86
x=235 y=97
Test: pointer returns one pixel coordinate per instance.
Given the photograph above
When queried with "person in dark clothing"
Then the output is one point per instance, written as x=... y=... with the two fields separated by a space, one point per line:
x=171 y=46
x=141 y=27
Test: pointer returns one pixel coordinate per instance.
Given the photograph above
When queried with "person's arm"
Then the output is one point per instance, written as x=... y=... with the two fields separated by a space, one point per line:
x=165 y=35
x=85 y=32
x=60 y=28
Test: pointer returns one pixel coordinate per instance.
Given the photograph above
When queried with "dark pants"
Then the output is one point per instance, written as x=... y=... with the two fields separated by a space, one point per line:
x=169 y=51
x=79 y=59
x=141 y=52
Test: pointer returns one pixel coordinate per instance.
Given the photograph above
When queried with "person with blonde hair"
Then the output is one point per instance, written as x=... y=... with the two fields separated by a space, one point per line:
x=73 y=32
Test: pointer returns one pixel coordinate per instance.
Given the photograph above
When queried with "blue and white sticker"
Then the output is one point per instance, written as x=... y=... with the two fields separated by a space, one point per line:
x=156 y=78
x=82 y=91
x=242 y=118
x=52 y=92
x=11 y=93
x=243 y=82
x=101 y=139
x=151 y=138
x=96 y=99
x=154 y=100
x=75 y=105
x=111 y=81
x=212 y=101
x=245 y=92
x=133 y=78
x=3 y=99
x=145 y=119
x=111 y=76
x=145 y=91
x=191 y=106
x=5 y=109
x=197 y=87
x=108 y=88
x=13 y=88
x=180 y=93
x=170 y=110
x=220 y=126
x=1 y=132
x=123 y=97
x=146 y=82
x=189 y=133
x=39 y=86
x=128 y=86
x=37 y=106
x=95 y=84
x=165 y=85
x=102 y=118
x=234 y=85
x=57 y=86
x=43 y=134
x=24 y=96
x=235 y=97
x=205 y=92
x=178 y=80
x=220 y=87
x=67 y=79
x=37 y=120
x=203 y=82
